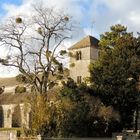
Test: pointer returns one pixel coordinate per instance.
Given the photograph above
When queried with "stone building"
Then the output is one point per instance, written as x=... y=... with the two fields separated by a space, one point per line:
x=82 y=54
x=14 y=115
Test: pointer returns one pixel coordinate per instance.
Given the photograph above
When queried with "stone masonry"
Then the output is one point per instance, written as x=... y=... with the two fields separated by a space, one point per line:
x=7 y=115
x=88 y=48
x=8 y=111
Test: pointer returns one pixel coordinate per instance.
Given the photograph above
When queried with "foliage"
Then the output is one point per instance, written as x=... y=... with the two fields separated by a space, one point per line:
x=86 y=80
x=20 y=89
x=73 y=113
x=91 y=114
x=39 y=114
x=63 y=52
x=118 y=62
x=21 y=78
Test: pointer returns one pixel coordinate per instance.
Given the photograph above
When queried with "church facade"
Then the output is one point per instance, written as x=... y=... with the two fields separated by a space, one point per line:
x=82 y=54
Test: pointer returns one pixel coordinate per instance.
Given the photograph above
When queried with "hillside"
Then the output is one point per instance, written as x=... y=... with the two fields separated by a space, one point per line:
x=8 y=82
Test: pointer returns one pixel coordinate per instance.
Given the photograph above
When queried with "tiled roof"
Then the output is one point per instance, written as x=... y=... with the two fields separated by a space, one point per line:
x=86 y=42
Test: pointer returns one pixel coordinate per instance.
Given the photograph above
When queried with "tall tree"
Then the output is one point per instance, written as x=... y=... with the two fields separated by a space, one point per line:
x=34 y=45
x=115 y=74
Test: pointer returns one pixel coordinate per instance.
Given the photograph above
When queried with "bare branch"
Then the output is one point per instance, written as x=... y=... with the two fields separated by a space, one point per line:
x=36 y=63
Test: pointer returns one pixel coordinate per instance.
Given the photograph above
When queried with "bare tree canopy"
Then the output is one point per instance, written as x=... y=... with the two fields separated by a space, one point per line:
x=34 y=43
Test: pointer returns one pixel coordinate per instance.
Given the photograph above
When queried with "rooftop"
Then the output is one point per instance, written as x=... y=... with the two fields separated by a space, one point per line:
x=86 y=42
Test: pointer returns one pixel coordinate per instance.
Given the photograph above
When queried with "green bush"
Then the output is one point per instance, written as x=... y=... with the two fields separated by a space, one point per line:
x=20 y=89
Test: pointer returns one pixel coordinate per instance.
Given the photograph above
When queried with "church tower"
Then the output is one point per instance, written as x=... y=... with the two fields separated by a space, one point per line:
x=81 y=55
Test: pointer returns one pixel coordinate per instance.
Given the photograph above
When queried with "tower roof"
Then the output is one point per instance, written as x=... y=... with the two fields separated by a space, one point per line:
x=88 y=41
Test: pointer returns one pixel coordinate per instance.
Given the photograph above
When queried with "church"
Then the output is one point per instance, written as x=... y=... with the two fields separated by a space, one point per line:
x=82 y=54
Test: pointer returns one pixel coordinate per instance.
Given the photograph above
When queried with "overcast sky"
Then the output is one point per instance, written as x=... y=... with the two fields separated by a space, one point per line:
x=94 y=16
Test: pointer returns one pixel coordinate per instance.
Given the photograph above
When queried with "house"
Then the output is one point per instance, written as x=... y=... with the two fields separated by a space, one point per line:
x=81 y=55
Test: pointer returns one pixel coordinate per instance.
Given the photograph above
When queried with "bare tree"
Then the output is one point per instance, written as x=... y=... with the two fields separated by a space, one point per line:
x=33 y=45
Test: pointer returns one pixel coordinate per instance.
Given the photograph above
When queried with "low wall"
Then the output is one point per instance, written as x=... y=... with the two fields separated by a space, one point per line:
x=8 y=135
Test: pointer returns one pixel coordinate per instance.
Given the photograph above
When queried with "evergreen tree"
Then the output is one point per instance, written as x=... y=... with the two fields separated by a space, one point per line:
x=115 y=74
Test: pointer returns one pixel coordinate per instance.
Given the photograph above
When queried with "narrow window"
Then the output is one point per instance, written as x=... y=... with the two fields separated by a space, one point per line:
x=78 y=55
x=79 y=79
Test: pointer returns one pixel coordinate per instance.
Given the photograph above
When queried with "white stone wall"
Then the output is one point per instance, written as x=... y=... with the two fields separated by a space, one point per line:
x=8 y=135
x=7 y=115
x=25 y=118
x=8 y=111
x=80 y=69
x=81 y=66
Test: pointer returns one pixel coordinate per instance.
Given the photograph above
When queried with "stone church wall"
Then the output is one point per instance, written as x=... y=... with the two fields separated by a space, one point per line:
x=8 y=118
x=80 y=67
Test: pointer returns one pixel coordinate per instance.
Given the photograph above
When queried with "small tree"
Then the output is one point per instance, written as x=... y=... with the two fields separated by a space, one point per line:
x=40 y=115
x=34 y=43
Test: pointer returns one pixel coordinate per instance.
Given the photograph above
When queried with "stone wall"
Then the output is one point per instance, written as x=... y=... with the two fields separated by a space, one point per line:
x=7 y=112
x=81 y=67
x=8 y=135
x=7 y=115
x=94 y=53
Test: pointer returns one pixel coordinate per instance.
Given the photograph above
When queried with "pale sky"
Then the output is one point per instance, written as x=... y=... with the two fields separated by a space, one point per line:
x=93 y=16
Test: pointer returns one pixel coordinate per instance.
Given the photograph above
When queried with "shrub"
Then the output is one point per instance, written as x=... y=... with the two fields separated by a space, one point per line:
x=20 y=89
x=21 y=78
